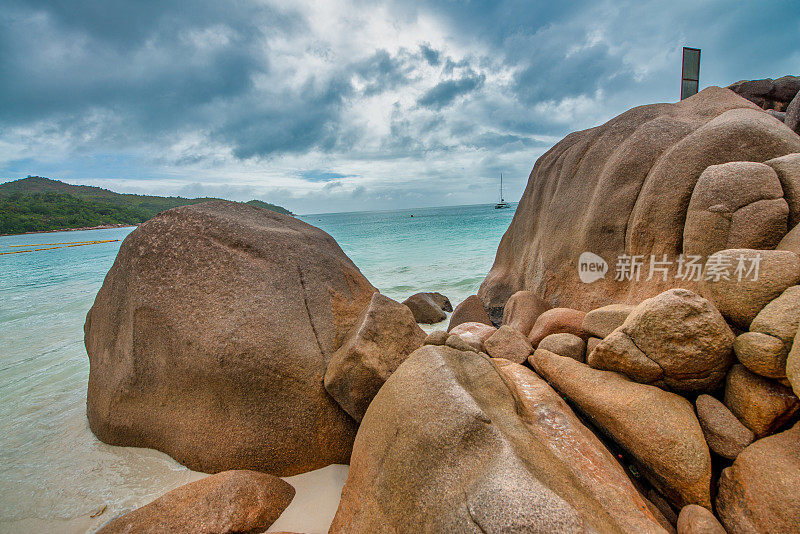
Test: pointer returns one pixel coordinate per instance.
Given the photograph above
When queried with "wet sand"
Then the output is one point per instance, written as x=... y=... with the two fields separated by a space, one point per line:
x=315 y=503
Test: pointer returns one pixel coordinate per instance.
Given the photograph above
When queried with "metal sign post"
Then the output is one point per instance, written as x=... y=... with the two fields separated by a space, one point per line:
x=690 y=72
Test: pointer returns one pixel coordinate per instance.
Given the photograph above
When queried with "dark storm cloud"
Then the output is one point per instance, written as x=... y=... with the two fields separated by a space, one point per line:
x=285 y=122
x=493 y=140
x=578 y=74
x=123 y=24
x=156 y=69
x=148 y=61
x=431 y=55
x=444 y=93
x=383 y=71
x=542 y=40
x=493 y=21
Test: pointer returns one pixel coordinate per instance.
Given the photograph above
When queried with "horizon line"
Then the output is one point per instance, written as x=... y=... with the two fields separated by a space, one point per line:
x=400 y=209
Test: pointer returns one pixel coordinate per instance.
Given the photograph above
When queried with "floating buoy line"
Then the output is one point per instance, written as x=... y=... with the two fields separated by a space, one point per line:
x=53 y=246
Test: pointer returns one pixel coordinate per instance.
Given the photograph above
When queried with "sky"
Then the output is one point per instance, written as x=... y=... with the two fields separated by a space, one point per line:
x=347 y=105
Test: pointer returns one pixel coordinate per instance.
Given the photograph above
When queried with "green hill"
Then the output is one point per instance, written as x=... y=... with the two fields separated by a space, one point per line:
x=36 y=204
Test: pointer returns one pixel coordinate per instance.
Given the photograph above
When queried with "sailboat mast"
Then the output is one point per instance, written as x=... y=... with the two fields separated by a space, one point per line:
x=502 y=203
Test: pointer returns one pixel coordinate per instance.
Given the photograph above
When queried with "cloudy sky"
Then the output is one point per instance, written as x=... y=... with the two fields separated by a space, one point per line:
x=343 y=105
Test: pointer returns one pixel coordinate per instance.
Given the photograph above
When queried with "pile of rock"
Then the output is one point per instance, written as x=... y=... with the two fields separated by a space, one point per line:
x=768 y=93
x=667 y=386
x=778 y=97
x=685 y=385
x=459 y=442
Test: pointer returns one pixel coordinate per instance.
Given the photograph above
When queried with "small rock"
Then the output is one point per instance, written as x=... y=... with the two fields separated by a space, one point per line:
x=764 y=349
x=557 y=321
x=760 y=404
x=437 y=337
x=793 y=368
x=725 y=434
x=228 y=502
x=591 y=344
x=741 y=300
x=791 y=241
x=469 y=311
x=792 y=117
x=508 y=343
x=384 y=335
x=441 y=301
x=695 y=519
x=454 y=341
x=565 y=344
x=759 y=492
x=602 y=321
x=781 y=317
x=788 y=169
x=428 y=308
x=762 y=354
x=780 y=115
x=676 y=340
x=522 y=310
x=658 y=428
x=474 y=333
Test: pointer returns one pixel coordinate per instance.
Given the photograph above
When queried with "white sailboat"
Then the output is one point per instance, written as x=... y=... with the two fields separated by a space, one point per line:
x=502 y=204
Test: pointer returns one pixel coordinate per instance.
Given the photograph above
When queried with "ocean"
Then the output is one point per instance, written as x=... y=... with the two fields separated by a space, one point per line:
x=54 y=473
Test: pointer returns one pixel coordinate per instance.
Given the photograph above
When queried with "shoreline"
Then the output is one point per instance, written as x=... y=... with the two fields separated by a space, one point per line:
x=311 y=511
x=100 y=227
x=70 y=475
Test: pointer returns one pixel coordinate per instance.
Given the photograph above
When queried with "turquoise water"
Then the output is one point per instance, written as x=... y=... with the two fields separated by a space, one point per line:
x=51 y=466
x=438 y=249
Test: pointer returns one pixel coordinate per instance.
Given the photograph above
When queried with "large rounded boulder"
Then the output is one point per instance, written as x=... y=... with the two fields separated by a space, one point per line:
x=210 y=337
x=620 y=192
x=458 y=442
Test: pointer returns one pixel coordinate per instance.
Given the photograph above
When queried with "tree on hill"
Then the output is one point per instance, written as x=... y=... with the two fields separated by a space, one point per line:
x=37 y=204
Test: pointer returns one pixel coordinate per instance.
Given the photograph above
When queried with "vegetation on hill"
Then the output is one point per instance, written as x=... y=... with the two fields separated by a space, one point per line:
x=37 y=204
x=268 y=206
